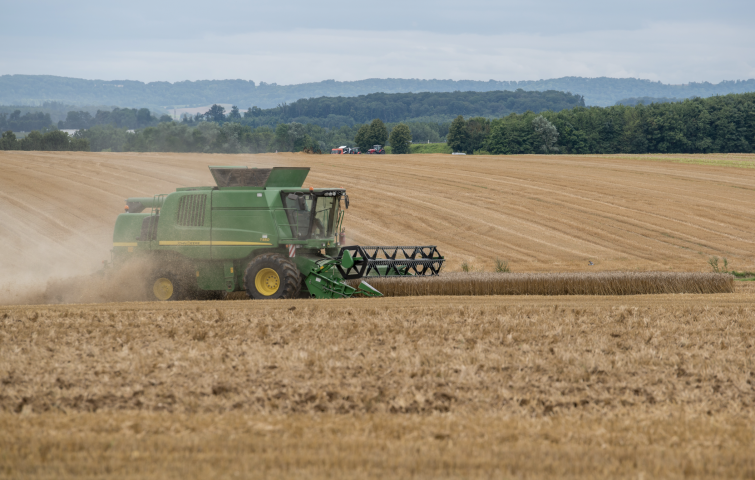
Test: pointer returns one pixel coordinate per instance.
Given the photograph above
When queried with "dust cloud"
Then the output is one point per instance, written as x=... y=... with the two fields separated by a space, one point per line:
x=68 y=272
x=126 y=283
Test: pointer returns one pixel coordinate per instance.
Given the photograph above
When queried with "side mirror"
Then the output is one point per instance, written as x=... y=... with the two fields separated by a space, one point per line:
x=346 y=201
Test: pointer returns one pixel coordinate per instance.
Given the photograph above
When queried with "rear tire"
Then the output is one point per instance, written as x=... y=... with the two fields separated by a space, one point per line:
x=271 y=276
x=172 y=279
x=165 y=285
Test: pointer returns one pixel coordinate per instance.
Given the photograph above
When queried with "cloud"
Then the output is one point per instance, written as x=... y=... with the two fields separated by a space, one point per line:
x=292 y=42
x=672 y=52
x=139 y=19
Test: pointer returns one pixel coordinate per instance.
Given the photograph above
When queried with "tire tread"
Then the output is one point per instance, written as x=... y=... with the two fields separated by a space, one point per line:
x=291 y=277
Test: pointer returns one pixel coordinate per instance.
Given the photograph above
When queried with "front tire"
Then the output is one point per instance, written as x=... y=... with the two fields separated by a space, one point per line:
x=271 y=276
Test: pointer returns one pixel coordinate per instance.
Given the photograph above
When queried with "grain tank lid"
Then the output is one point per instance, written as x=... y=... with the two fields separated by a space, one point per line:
x=292 y=177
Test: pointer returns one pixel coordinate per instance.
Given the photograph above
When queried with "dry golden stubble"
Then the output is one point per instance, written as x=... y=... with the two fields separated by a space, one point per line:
x=540 y=213
x=442 y=387
x=430 y=357
x=627 y=443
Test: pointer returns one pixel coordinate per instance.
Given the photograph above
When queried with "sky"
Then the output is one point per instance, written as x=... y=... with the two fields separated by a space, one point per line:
x=295 y=41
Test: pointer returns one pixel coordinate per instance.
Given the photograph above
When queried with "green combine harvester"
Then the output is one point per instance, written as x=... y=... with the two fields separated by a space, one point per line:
x=257 y=231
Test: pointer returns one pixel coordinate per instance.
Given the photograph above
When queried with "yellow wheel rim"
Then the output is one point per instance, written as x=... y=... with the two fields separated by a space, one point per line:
x=163 y=289
x=267 y=281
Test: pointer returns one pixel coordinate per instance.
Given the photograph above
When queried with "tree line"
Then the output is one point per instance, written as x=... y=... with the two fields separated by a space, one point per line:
x=230 y=137
x=722 y=124
x=394 y=107
x=56 y=110
x=24 y=123
x=130 y=118
x=211 y=137
x=234 y=137
x=54 y=140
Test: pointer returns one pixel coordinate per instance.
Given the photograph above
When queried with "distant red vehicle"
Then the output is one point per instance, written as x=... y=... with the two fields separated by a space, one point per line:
x=345 y=150
x=376 y=150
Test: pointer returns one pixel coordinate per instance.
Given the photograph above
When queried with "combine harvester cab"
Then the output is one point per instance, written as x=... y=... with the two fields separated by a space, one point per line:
x=257 y=231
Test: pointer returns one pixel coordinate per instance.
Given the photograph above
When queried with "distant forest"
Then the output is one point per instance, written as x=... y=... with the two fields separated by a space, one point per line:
x=722 y=124
x=130 y=118
x=35 y=89
x=27 y=122
x=631 y=102
x=57 y=110
x=396 y=107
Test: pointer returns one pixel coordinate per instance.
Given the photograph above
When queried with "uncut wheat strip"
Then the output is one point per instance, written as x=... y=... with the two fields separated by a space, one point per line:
x=586 y=283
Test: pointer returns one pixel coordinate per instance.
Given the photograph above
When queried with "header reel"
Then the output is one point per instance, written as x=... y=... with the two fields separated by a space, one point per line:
x=374 y=261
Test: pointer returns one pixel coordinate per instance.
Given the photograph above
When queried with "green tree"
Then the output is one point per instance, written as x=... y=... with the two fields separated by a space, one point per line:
x=104 y=137
x=511 y=135
x=55 y=141
x=378 y=133
x=33 y=141
x=362 y=138
x=79 y=145
x=401 y=138
x=253 y=112
x=478 y=129
x=235 y=114
x=546 y=133
x=458 y=136
x=8 y=141
x=424 y=132
x=77 y=120
x=216 y=113
x=292 y=137
x=281 y=137
x=143 y=117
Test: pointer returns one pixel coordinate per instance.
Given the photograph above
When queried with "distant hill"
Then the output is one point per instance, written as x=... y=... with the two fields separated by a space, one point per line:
x=400 y=107
x=603 y=91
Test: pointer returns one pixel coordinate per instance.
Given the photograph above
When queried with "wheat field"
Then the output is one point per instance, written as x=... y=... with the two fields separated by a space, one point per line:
x=412 y=387
x=540 y=213
x=483 y=386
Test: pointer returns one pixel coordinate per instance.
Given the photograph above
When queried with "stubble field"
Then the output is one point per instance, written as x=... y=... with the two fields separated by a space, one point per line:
x=433 y=387
x=409 y=387
x=540 y=213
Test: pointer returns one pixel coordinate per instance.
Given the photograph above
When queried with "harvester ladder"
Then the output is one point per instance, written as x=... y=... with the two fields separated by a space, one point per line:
x=158 y=199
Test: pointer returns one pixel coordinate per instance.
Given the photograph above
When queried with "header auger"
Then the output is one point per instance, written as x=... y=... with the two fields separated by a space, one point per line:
x=257 y=231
